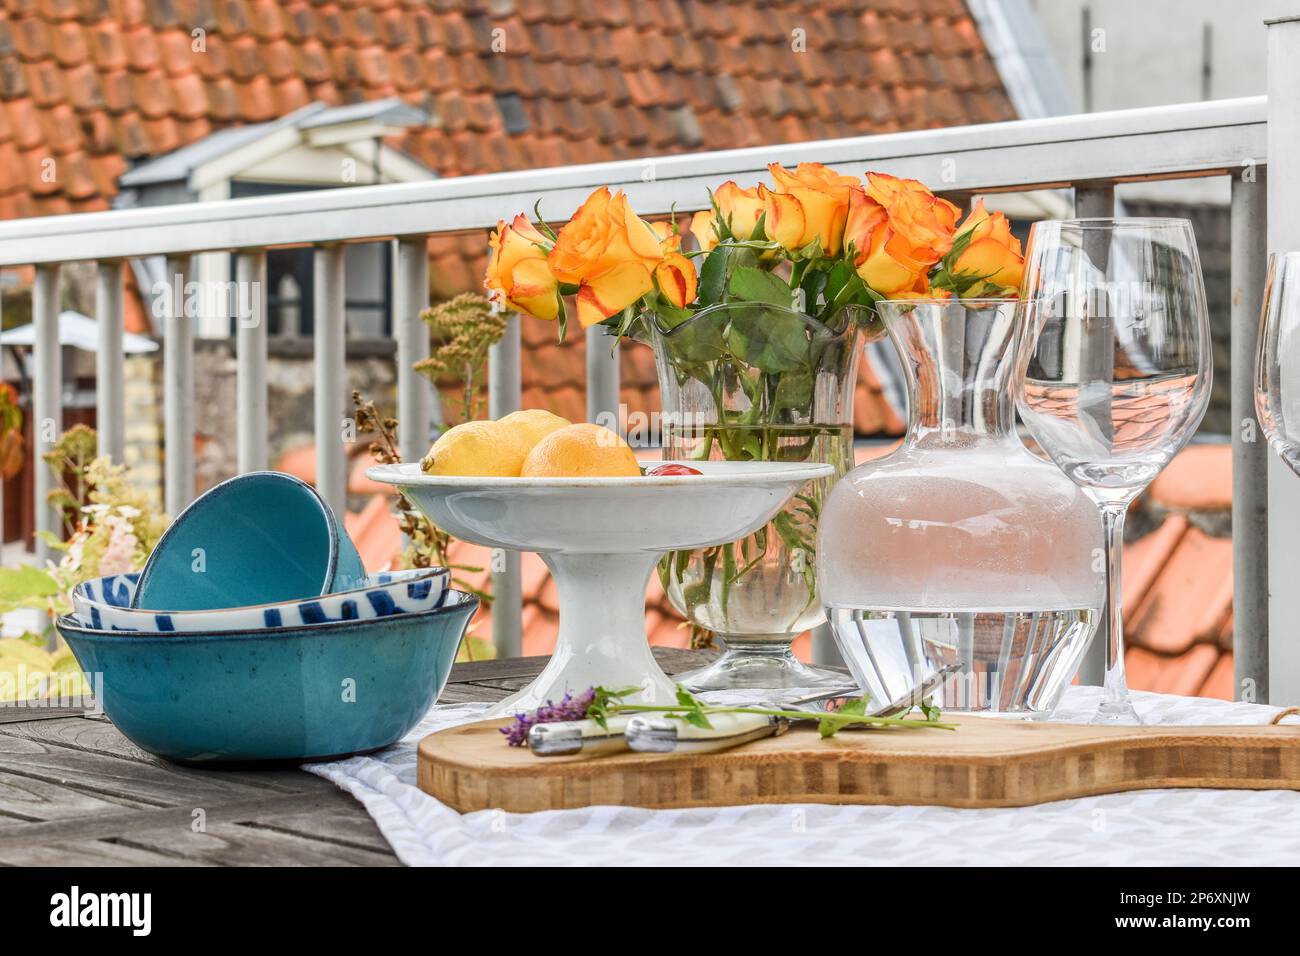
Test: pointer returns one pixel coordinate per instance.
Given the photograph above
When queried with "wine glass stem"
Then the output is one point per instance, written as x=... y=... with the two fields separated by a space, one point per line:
x=1116 y=684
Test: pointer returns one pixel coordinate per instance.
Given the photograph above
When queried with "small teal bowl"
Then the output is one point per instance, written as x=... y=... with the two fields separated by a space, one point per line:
x=316 y=692
x=260 y=538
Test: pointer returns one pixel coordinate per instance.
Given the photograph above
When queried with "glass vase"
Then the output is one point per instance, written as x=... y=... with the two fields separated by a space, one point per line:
x=758 y=382
x=962 y=549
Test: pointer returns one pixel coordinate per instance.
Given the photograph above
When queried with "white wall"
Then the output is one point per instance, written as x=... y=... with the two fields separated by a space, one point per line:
x=1153 y=48
x=1151 y=54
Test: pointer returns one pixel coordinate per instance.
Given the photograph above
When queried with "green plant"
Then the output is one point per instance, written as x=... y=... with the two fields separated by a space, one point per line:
x=462 y=331
x=112 y=527
x=428 y=546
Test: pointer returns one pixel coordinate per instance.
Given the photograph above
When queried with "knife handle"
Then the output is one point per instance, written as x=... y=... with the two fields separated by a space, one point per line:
x=653 y=734
x=567 y=737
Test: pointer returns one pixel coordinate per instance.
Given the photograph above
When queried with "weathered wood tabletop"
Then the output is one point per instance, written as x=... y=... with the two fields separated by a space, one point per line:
x=75 y=792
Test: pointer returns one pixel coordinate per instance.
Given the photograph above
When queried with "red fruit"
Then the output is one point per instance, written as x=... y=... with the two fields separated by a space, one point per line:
x=660 y=471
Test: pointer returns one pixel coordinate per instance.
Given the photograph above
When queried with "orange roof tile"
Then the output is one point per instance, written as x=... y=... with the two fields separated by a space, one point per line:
x=1198 y=479
x=1178 y=583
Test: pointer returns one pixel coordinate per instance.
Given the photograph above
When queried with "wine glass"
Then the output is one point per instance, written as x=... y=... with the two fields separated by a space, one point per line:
x=1279 y=358
x=1118 y=365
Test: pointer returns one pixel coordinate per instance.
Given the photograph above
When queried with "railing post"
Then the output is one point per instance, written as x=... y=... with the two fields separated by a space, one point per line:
x=1093 y=201
x=602 y=378
x=1283 y=236
x=331 y=376
x=178 y=390
x=1250 y=453
x=47 y=398
x=504 y=395
x=414 y=393
x=250 y=361
x=110 y=362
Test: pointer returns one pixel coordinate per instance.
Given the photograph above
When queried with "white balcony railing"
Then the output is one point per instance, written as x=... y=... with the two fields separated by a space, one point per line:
x=1090 y=153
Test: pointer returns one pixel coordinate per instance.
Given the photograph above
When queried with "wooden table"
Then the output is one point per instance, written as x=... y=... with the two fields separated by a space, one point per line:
x=74 y=791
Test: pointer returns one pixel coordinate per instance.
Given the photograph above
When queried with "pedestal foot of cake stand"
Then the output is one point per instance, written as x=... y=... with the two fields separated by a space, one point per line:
x=601 y=640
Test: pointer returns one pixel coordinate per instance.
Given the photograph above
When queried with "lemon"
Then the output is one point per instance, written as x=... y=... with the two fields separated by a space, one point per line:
x=583 y=450
x=480 y=449
x=535 y=423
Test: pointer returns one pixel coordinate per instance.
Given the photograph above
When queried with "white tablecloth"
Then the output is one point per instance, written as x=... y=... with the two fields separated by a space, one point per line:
x=1142 y=828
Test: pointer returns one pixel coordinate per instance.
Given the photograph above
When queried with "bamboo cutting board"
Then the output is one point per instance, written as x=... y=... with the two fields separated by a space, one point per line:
x=986 y=762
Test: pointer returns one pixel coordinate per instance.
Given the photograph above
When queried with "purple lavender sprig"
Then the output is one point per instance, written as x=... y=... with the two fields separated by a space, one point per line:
x=569 y=708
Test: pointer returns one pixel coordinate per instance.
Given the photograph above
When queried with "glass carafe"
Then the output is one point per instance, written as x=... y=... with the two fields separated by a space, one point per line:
x=961 y=549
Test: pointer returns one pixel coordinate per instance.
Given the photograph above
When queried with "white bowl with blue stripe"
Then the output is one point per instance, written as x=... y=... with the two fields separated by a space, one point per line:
x=105 y=604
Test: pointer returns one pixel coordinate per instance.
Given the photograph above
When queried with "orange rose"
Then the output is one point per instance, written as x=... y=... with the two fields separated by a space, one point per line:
x=517 y=273
x=882 y=257
x=865 y=214
x=609 y=253
x=926 y=222
x=704 y=229
x=812 y=202
x=739 y=208
x=993 y=254
x=669 y=241
x=922 y=290
x=675 y=277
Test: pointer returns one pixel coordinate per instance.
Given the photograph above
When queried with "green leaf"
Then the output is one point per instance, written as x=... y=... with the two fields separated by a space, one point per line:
x=542 y=226
x=564 y=321
x=830 y=725
x=811 y=251
x=840 y=273
x=752 y=284
x=794 y=390
x=769 y=341
x=695 y=715
x=696 y=341
x=26 y=586
x=813 y=285
x=713 y=276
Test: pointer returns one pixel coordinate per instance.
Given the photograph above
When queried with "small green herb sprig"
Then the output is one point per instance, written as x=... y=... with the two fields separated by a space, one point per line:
x=602 y=703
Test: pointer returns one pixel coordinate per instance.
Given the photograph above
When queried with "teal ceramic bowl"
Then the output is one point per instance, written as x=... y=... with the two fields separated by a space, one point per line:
x=275 y=694
x=260 y=538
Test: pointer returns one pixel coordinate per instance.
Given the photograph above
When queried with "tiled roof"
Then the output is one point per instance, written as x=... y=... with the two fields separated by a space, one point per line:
x=512 y=84
x=94 y=85
x=1178 y=580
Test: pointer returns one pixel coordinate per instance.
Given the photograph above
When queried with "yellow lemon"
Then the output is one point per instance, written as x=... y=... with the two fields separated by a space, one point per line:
x=535 y=423
x=480 y=449
x=581 y=451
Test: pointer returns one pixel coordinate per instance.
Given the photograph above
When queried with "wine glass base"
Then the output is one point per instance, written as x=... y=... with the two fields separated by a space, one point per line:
x=1116 y=712
x=780 y=672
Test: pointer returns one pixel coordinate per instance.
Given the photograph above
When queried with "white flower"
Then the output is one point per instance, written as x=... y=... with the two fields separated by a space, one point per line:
x=119 y=555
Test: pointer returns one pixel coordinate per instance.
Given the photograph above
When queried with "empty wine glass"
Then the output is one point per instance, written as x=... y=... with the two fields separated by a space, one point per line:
x=1277 y=365
x=1118 y=366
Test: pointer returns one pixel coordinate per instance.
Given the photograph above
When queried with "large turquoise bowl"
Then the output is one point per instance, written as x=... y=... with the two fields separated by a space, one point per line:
x=275 y=694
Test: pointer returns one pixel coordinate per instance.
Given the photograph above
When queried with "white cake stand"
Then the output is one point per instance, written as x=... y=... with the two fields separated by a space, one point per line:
x=601 y=538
